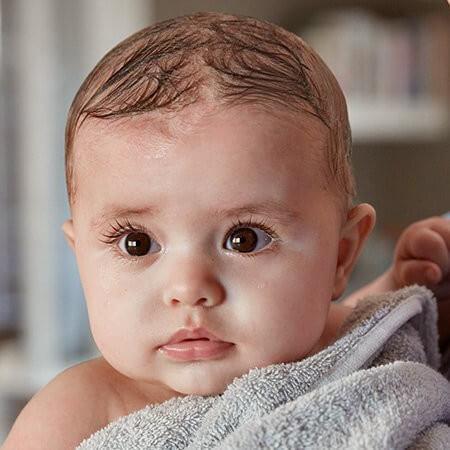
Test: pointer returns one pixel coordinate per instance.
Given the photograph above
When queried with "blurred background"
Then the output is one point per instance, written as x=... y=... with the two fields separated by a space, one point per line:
x=392 y=60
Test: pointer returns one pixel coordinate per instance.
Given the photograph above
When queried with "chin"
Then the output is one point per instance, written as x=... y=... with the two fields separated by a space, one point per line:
x=205 y=386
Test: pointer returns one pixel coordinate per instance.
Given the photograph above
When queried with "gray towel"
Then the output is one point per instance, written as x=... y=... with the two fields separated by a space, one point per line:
x=377 y=387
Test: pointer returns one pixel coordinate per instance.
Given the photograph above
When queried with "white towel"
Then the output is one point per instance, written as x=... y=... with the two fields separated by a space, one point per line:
x=377 y=387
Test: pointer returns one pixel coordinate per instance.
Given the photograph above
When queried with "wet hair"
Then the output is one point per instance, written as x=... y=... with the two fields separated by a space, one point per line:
x=241 y=60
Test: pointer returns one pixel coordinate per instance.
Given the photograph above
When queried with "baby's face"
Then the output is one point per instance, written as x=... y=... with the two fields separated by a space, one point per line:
x=264 y=286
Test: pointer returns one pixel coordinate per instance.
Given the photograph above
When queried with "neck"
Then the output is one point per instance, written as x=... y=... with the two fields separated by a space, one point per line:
x=337 y=314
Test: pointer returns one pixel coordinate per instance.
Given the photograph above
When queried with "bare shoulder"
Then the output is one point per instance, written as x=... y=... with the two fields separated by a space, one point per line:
x=68 y=409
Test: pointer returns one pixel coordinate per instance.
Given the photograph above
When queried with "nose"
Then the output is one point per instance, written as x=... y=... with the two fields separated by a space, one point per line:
x=193 y=286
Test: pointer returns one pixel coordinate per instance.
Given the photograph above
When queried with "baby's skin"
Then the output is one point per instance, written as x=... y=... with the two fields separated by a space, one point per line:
x=261 y=279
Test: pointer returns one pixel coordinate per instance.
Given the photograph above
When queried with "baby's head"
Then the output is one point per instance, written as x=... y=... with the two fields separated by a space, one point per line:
x=210 y=185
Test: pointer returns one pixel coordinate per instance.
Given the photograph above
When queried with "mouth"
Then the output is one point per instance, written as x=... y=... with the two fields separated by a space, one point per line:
x=197 y=344
x=196 y=349
x=185 y=334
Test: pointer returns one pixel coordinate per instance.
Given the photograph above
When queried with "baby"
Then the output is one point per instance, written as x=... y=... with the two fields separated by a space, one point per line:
x=208 y=165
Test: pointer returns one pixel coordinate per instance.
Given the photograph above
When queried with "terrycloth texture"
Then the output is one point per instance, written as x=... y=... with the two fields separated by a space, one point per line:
x=445 y=365
x=376 y=387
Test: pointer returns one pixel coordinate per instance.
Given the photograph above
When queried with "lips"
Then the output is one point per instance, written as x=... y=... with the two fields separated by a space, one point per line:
x=198 y=344
x=195 y=334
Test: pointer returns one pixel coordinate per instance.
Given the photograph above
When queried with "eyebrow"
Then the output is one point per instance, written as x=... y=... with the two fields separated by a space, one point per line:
x=276 y=210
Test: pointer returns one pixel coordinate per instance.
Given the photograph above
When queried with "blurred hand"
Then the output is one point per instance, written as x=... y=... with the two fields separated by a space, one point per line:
x=422 y=256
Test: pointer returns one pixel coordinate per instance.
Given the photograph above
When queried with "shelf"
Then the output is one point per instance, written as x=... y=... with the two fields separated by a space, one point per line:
x=397 y=120
x=19 y=380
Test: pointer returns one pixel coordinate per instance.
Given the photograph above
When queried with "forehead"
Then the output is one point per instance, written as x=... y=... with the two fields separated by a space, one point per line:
x=204 y=155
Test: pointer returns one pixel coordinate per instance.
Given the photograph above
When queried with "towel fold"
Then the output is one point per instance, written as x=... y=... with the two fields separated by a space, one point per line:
x=378 y=386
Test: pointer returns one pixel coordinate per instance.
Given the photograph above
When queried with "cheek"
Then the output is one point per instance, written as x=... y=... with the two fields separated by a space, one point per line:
x=291 y=293
x=297 y=297
x=111 y=305
x=313 y=259
x=306 y=268
x=105 y=290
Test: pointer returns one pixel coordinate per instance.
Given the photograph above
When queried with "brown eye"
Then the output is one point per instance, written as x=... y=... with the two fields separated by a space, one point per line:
x=246 y=240
x=137 y=243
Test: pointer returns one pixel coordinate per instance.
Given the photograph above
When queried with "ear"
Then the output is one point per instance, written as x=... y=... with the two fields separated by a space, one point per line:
x=69 y=233
x=360 y=222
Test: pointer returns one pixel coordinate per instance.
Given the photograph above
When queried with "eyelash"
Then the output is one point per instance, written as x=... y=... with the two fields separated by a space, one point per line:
x=122 y=229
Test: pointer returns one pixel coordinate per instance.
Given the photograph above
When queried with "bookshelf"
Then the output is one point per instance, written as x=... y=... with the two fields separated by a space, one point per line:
x=394 y=71
x=401 y=120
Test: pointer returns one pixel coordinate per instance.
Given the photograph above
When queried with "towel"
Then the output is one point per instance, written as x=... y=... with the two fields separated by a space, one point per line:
x=378 y=386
